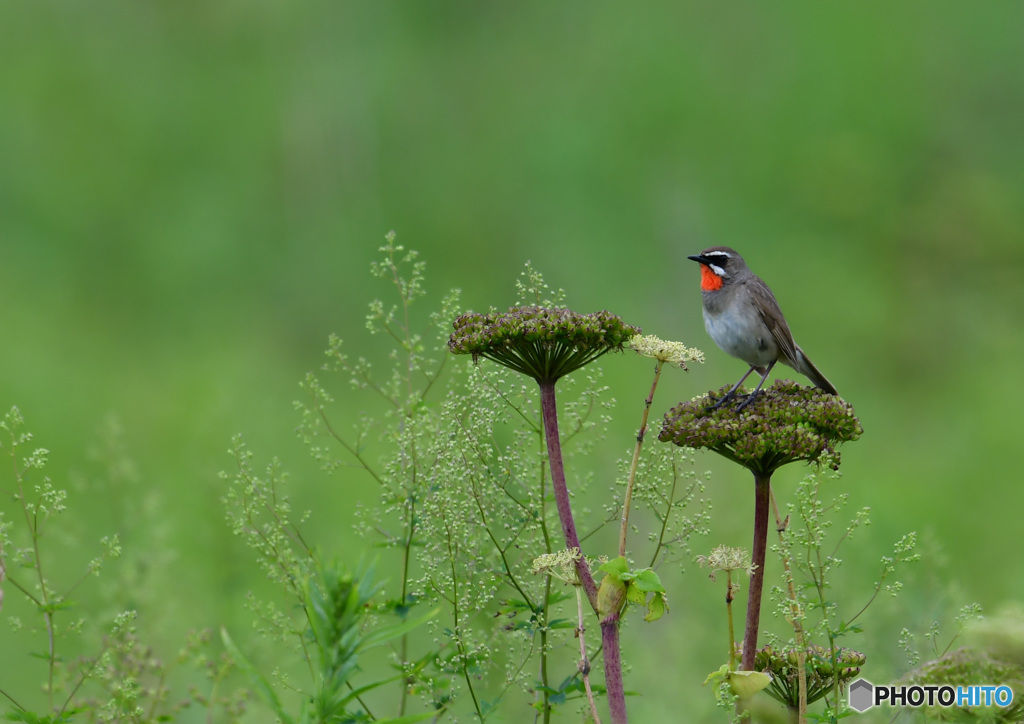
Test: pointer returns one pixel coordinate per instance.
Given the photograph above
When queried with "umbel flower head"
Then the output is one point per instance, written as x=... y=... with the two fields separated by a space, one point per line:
x=677 y=353
x=541 y=342
x=822 y=671
x=786 y=423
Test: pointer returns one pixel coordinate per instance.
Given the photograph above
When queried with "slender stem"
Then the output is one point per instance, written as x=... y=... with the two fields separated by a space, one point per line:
x=729 y=591
x=34 y=527
x=613 y=669
x=453 y=548
x=547 y=596
x=406 y=556
x=549 y=412
x=762 y=495
x=624 y=529
x=584 y=664
x=796 y=615
x=546 y=696
x=664 y=520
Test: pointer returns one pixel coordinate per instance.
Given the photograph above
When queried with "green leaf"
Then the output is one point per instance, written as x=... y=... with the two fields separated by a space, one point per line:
x=745 y=684
x=656 y=608
x=616 y=566
x=648 y=580
x=717 y=676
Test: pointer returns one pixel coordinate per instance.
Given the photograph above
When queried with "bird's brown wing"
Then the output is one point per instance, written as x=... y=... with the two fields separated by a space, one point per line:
x=772 y=317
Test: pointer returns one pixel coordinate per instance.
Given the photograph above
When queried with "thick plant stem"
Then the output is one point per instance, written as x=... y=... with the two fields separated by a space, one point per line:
x=613 y=669
x=549 y=412
x=762 y=498
x=624 y=529
x=610 y=626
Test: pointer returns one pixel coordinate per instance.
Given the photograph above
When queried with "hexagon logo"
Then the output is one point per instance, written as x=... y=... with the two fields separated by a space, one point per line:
x=861 y=695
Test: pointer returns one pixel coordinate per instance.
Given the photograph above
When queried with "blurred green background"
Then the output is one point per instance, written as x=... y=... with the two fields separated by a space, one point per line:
x=191 y=194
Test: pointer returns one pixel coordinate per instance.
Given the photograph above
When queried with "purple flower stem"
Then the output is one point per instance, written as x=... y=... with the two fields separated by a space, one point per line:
x=613 y=669
x=610 y=626
x=762 y=498
x=549 y=412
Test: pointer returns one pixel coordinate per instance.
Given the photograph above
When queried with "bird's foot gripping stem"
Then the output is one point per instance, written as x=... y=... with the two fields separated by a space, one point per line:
x=749 y=398
x=726 y=398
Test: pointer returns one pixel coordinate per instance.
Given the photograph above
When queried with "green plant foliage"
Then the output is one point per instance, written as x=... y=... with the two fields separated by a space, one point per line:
x=336 y=605
x=122 y=678
x=621 y=586
x=741 y=684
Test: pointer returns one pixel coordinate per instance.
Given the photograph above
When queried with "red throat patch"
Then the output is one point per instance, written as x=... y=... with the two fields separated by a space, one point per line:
x=709 y=281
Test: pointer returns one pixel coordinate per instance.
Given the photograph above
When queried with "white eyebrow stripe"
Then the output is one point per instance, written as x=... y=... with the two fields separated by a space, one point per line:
x=725 y=254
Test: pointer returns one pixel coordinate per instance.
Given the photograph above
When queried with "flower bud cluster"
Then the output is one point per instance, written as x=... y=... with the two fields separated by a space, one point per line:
x=544 y=343
x=822 y=671
x=786 y=423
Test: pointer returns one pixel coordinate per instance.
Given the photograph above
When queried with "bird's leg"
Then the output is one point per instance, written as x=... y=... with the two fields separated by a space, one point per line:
x=732 y=393
x=753 y=395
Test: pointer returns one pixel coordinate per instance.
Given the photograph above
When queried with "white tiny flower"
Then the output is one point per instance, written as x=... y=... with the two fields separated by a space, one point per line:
x=676 y=353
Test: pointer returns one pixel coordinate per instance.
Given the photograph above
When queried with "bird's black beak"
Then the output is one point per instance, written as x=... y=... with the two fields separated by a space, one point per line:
x=699 y=259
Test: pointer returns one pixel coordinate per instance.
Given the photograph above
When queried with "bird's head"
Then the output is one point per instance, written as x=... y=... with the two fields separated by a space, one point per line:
x=717 y=264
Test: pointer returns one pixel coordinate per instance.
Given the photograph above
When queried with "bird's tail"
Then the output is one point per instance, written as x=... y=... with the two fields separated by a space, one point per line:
x=805 y=367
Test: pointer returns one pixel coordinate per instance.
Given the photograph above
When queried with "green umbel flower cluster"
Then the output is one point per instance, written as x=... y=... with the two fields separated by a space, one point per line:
x=822 y=672
x=540 y=342
x=787 y=422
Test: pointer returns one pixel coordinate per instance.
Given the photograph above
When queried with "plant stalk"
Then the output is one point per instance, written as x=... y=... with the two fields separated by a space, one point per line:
x=762 y=498
x=610 y=626
x=549 y=412
x=798 y=628
x=584 y=664
x=624 y=529
x=613 y=669
x=729 y=590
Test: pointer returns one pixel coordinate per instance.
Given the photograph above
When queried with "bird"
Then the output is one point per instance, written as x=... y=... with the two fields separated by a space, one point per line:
x=744 y=320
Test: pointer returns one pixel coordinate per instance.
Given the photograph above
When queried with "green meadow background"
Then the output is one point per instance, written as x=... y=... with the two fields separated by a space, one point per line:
x=191 y=194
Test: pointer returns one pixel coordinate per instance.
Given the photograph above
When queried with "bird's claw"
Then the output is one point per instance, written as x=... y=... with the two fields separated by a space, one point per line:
x=750 y=398
x=712 y=408
x=728 y=397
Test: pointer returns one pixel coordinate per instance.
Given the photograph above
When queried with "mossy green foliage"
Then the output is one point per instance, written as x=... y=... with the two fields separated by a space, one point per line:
x=543 y=343
x=968 y=667
x=786 y=423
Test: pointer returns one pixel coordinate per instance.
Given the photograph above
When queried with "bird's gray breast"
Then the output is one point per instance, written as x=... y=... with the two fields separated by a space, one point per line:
x=737 y=328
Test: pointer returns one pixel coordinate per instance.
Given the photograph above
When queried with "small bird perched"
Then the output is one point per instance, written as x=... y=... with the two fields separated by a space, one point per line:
x=743 y=318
